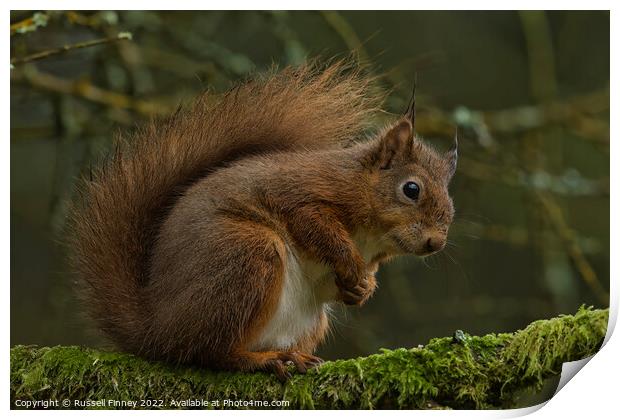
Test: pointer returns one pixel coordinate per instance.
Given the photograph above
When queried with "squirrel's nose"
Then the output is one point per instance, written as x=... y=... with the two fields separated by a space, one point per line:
x=435 y=243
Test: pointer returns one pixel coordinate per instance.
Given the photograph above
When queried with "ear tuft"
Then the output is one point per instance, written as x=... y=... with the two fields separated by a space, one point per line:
x=452 y=155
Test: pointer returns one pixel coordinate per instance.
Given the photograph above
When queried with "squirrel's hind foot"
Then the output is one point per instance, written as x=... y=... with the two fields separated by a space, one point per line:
x=276 y=362
x=301 y=361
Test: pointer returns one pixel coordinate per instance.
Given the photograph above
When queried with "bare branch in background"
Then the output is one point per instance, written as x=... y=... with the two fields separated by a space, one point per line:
x=84 y=89
x=570 y=183
x=578 y=113
x=513 y=235
x=30 y=24
x=569 y=237
x=61 y=50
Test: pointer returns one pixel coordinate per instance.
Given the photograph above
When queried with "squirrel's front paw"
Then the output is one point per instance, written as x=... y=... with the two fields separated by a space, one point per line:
x=358 y=293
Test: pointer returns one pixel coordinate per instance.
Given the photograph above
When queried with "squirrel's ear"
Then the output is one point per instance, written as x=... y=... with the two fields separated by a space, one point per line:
x=397 y=141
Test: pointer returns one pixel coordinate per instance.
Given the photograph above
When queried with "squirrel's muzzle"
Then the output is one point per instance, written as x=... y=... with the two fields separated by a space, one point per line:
x=435 y=243
x=431 y=244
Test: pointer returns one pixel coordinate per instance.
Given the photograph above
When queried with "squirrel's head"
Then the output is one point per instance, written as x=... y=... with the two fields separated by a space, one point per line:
x=409 y=182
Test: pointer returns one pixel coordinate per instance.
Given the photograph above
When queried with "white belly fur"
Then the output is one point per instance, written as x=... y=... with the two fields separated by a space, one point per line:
x=308 y=289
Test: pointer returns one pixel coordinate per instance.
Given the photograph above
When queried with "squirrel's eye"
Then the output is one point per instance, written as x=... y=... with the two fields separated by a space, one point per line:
x=411 y=190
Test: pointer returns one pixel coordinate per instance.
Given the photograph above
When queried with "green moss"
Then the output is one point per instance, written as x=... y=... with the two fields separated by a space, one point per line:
x=540 y=349
x=467 y=372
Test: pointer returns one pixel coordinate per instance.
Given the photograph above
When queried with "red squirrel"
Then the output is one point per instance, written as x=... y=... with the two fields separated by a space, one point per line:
x=220 y=236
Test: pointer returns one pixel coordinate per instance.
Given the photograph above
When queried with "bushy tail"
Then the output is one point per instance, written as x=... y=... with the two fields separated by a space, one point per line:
x=122 y=204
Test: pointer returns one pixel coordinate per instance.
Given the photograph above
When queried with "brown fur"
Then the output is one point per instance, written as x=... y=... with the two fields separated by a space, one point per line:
x=180 y=241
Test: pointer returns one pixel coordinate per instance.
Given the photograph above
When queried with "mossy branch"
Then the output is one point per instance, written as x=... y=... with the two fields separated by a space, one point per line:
x=460 y=372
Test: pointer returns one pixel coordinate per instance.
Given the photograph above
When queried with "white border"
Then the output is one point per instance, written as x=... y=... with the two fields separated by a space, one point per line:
x=591 y=393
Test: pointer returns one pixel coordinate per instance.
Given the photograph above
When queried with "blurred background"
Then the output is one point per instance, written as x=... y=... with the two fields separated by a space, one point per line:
x=528 y=90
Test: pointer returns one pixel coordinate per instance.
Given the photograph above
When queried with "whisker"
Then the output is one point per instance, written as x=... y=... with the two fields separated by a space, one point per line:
x=456 y=263
x=450 y=257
